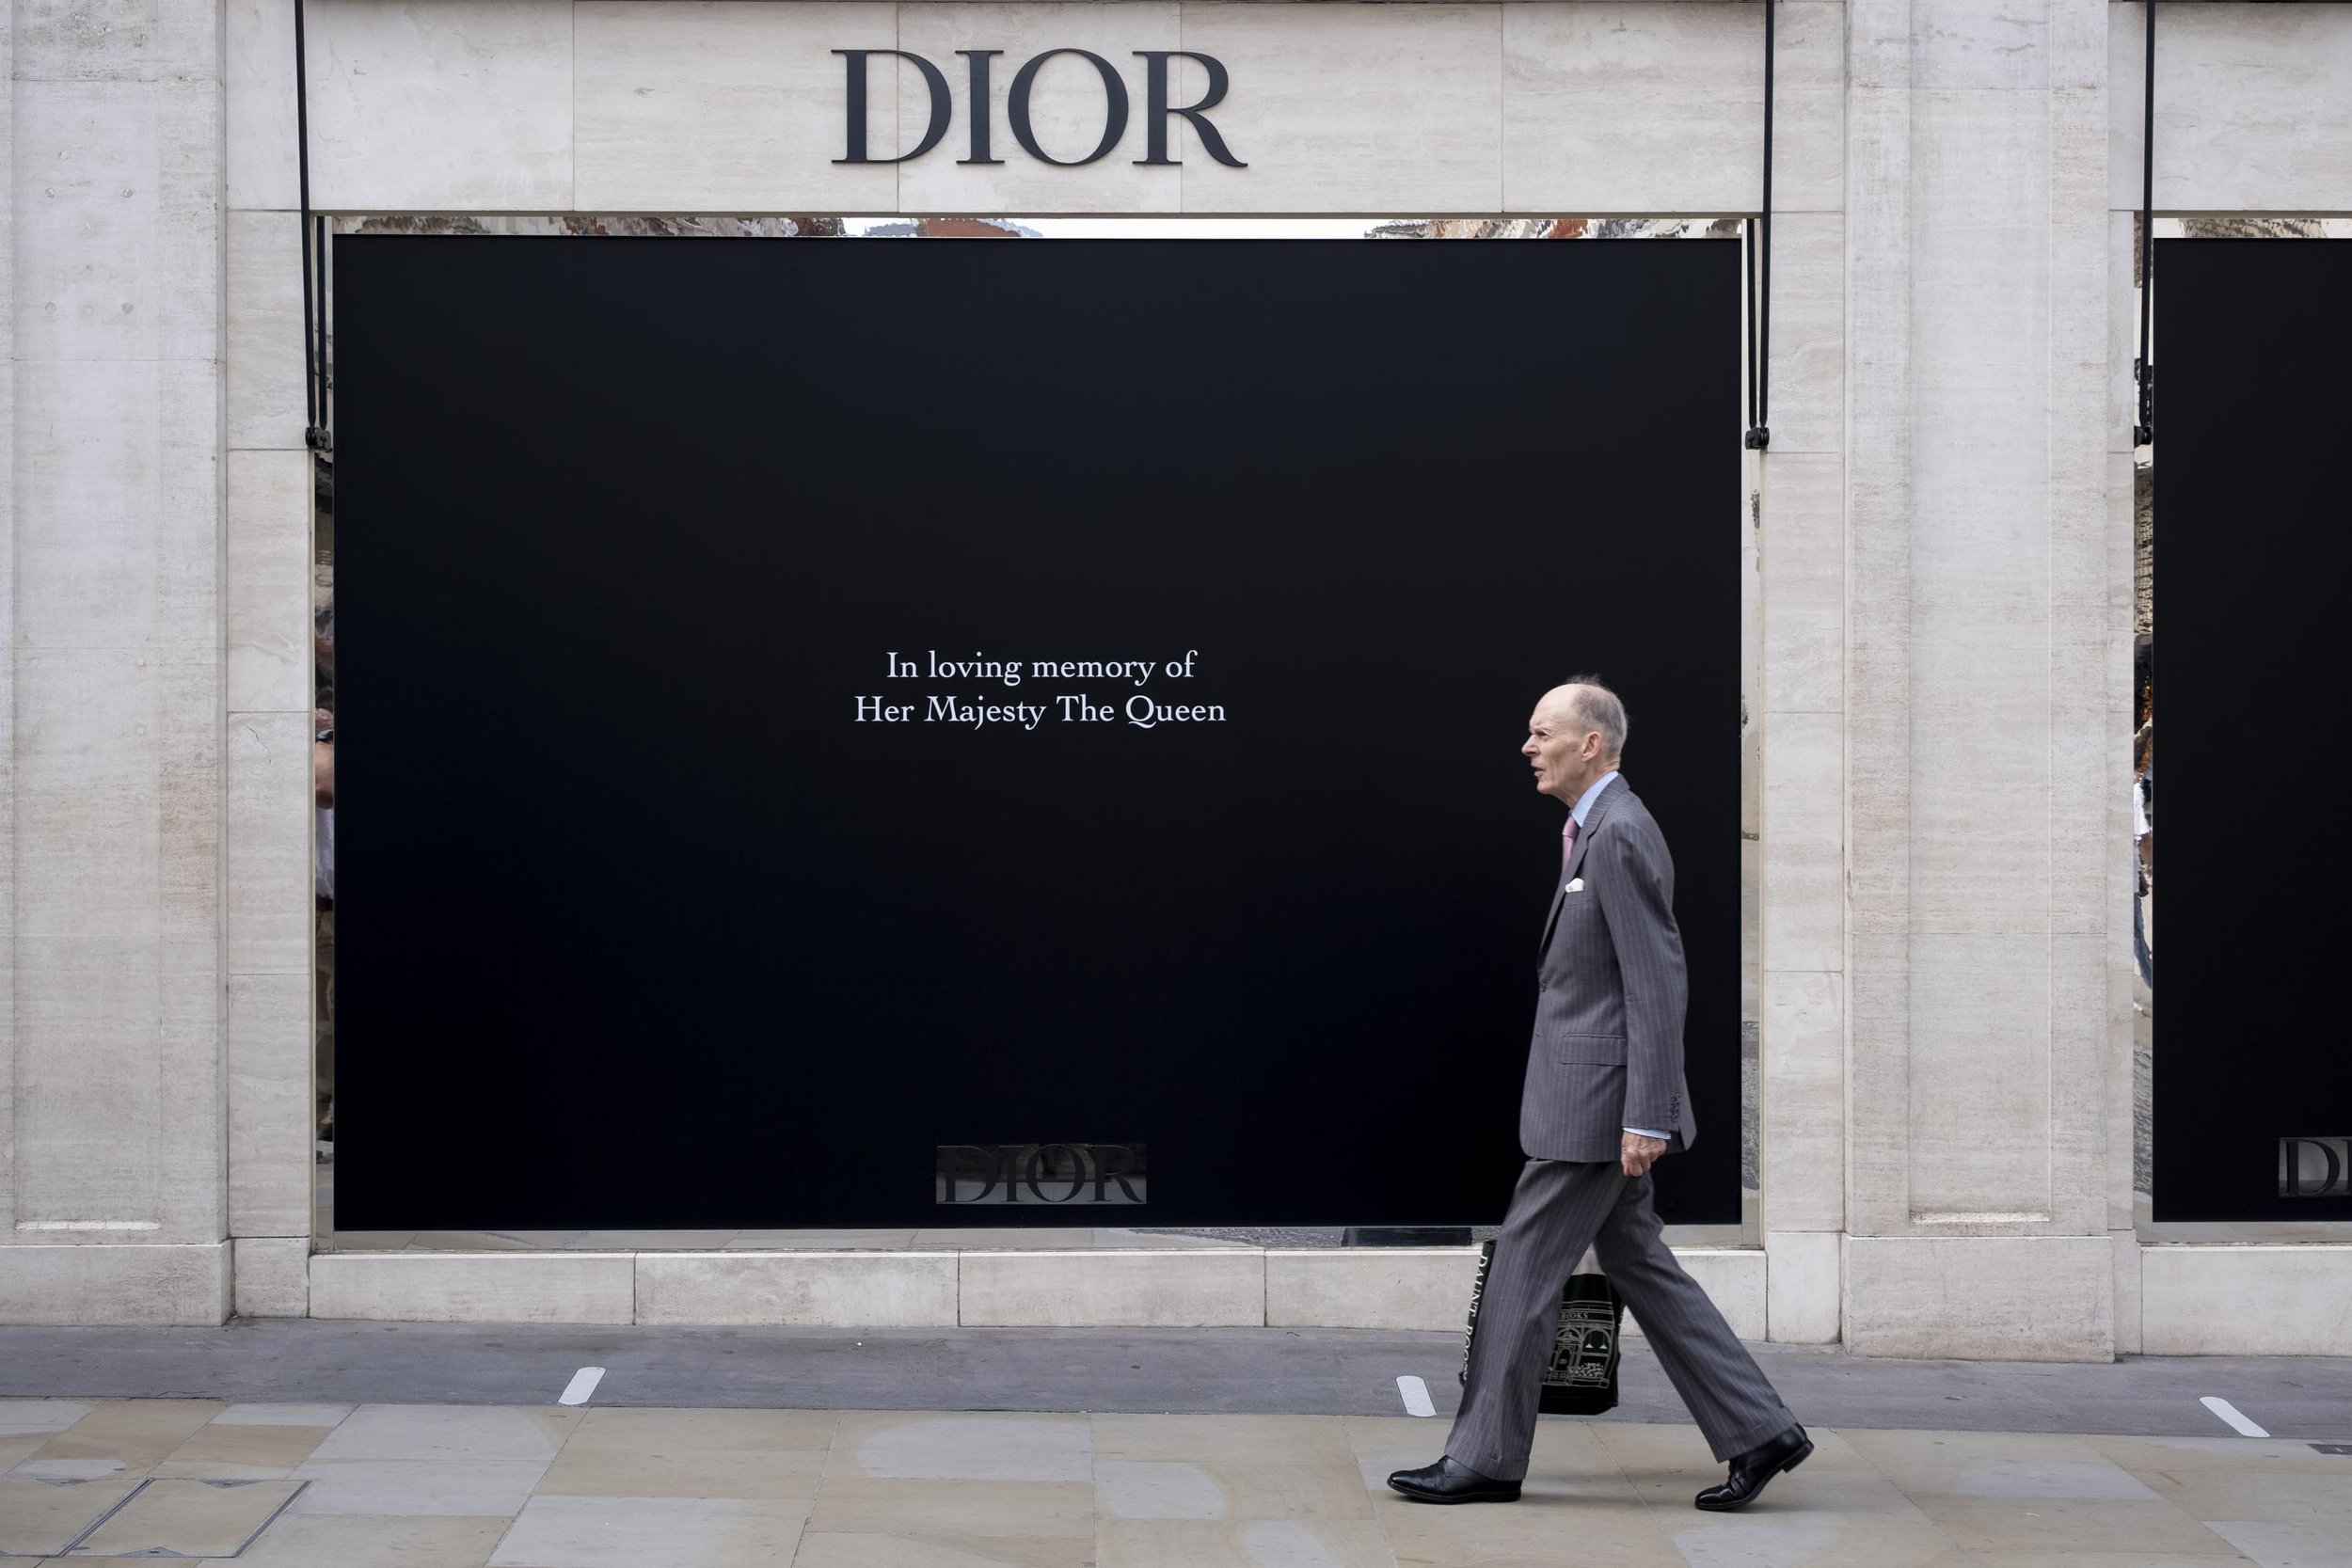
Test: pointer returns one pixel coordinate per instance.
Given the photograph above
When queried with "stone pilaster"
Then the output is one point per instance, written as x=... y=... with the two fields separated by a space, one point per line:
x=266 y=614
x=1801 y=622
x=1984 y=724
x=112 y=1185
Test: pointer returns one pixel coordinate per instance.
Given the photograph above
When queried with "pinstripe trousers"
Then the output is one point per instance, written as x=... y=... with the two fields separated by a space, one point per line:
x=1559 y=1208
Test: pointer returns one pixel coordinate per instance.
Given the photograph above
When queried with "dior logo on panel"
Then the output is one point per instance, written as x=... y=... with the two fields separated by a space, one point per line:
x=1041 y=1173
x=2316 y=1167
x=979 y=115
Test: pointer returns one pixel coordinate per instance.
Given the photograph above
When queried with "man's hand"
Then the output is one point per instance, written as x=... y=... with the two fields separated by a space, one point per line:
x=1639 y=1153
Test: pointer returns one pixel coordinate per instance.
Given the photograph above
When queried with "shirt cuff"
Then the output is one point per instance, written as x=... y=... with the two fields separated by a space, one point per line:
x=1647 y=1134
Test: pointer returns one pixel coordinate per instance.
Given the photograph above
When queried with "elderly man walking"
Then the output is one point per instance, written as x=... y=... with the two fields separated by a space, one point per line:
x=1604 y=1100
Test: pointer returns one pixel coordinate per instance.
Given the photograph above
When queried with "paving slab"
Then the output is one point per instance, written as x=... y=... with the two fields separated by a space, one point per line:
x=440 y=1432
x=243 y=1452
x=26 y=1418
x=955 y=1446
x=118 y=1437
x=328 y=1415
x=38 y=1516
x=632 y=1532
x=474 y=1487
x=189 y=1518
x=374 y=1541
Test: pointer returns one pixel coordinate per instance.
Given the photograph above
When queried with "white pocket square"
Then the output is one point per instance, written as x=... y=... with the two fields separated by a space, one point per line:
x=1575 y=885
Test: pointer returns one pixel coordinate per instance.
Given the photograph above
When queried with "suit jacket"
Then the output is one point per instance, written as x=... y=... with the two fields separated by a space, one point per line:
x=1607 y=1051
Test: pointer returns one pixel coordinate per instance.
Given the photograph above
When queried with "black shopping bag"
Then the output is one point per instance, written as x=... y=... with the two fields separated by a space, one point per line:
x=1580 y=1378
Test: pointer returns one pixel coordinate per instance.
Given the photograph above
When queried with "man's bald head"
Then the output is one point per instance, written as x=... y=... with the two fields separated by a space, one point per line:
x=1574 y=735
x=1585 y=706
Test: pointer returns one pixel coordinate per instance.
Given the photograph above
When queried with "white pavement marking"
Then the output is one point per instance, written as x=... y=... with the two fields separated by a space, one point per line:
x=2228 y=1413
x=582 y=1385
x=1416 y=1394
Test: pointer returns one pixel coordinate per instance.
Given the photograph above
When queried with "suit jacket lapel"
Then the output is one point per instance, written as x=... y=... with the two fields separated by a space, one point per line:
x=1592 y=820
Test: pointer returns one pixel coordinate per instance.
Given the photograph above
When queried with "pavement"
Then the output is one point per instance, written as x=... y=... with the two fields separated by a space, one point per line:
x=435 y=1446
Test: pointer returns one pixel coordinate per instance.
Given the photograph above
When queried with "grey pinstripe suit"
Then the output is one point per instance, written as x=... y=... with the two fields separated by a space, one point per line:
x=1606 y=1052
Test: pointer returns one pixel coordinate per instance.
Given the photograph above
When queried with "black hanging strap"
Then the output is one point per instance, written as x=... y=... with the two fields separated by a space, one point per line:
x=2144 y=432
x=1747 y=255
x=314 y=432
x=1760 y=433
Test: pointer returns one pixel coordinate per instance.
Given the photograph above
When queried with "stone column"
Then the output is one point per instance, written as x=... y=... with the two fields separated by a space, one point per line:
x=112 y=1186
x=272 y=1116
x=1984 y=716
x=1802 y=616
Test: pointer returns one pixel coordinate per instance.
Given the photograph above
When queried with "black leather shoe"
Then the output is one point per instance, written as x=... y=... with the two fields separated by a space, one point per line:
x=1447 y=1482
x=1751 y=1469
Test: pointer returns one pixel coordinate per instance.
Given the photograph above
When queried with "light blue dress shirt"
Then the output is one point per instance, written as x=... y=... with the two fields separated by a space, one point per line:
x=1583 y=805
x=1585 y=801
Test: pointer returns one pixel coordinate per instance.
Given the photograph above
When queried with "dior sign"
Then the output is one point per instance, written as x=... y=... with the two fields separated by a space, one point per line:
x=1041 y=1173
x=2314 y=1167
x=980 y=118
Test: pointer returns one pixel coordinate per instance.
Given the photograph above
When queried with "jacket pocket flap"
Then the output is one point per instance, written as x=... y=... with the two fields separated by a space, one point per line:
x=1587 y=1048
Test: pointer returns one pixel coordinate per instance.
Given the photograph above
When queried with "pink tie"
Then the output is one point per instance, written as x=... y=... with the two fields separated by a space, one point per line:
x=1567 y=844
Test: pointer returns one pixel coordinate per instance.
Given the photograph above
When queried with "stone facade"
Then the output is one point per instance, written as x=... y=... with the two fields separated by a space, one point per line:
x=1943 y=611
